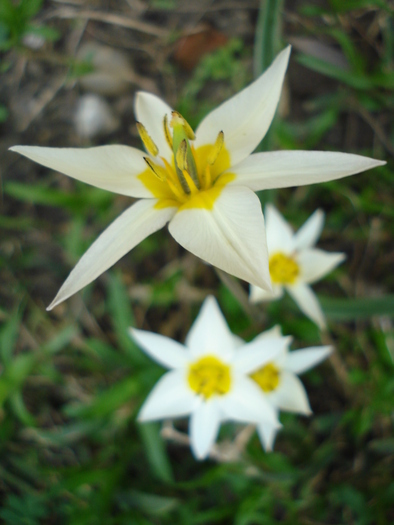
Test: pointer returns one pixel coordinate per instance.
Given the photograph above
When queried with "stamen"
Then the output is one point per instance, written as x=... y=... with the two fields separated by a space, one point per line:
x=181 y=156
x=177 y=119
x=150 y=146
x=207 y=177
x=216 y=148
x=167 y=132
x=160 y=172
x=190 y=182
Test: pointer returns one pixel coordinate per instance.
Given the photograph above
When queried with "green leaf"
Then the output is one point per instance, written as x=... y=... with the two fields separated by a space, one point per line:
x=349 y=309
x=156 y=451
x=268 y=35
x=106 y=402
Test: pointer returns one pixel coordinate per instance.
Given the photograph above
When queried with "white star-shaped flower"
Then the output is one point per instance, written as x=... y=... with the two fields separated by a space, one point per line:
x=203 y=184
x=208 y=378
x=280 y=384
x=294 y=263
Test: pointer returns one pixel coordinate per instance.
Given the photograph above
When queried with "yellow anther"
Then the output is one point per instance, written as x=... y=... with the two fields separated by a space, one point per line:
x=214 y=153
x=150 y=146
x=209 y=377
x=167 y=132
x=178 y=120
x=159 y=171
x=181 y=156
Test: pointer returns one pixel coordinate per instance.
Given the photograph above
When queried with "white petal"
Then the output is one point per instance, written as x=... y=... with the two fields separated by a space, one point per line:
x=315 y=264
x=291 y=395
x=280 y=237
x=259 y=352
x=272 y=333
x=112 y=168
x=246 y=403
x=285 y=169
x=129 y=229
x=301 y=360
x=267 y=434
x=310 y=231
x=246 y=117
x=150 y=111
x=231 y=236
x=307 y=302
x=169 y=398
x=164 y=350
x=204 y=428
x=258 y=295
x=210 y=333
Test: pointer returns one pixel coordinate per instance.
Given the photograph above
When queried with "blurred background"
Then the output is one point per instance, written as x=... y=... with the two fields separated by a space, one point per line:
x=71 y=381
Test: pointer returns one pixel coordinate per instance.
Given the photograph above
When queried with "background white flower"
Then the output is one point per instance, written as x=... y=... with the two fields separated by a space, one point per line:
x=278 y=380
x=202 y=184
x=294 y=263
x=208 y=377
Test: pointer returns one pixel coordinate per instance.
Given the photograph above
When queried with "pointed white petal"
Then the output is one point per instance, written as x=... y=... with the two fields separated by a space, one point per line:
x=231 y=236
x=301 y=360
x=210 y=333
x=164 y=350
x=267 y=434
x=129 y=229
x=169 y=398
x=285 y=169
x=246 y=117
x=280 y=237
x=259 y=352
x=247 y=403
x=150 y=111
x=258 y=295
x=315 y=264
x=307 y=302
x=291 y=395
x=112 y=168
x=204 y=428
x=310 y=231
x=272 y=333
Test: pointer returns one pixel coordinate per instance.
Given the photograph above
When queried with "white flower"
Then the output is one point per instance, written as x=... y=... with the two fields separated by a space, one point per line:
x=202 y=184
x=294 y=263
x=208 y=378
x=279 y=382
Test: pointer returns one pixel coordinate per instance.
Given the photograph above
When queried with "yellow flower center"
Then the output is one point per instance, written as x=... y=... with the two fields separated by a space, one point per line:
x=283 y=269
x=195 y=177
x=209 y=376
x=267 y=377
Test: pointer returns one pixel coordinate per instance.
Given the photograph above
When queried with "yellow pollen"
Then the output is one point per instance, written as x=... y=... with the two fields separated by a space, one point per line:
x=216 y=148
x=283 y=269
x=194 y=177
x=267 y=377
x=150 y=146
x=209 y=376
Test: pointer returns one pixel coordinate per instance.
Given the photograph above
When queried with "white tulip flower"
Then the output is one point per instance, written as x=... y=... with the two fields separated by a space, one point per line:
x=203 y=184
x=294 y=263
x=280 y=384
x=209 y=378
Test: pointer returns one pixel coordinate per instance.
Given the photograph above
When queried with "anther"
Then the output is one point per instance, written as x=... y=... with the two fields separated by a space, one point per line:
x=181 y=156
x=167 y=132
x=160 y=172
x=216 y=148
x=177 y=119
x=150 y=146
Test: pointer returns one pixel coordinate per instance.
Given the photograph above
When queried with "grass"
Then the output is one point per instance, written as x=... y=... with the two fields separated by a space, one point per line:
x=72 y=381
